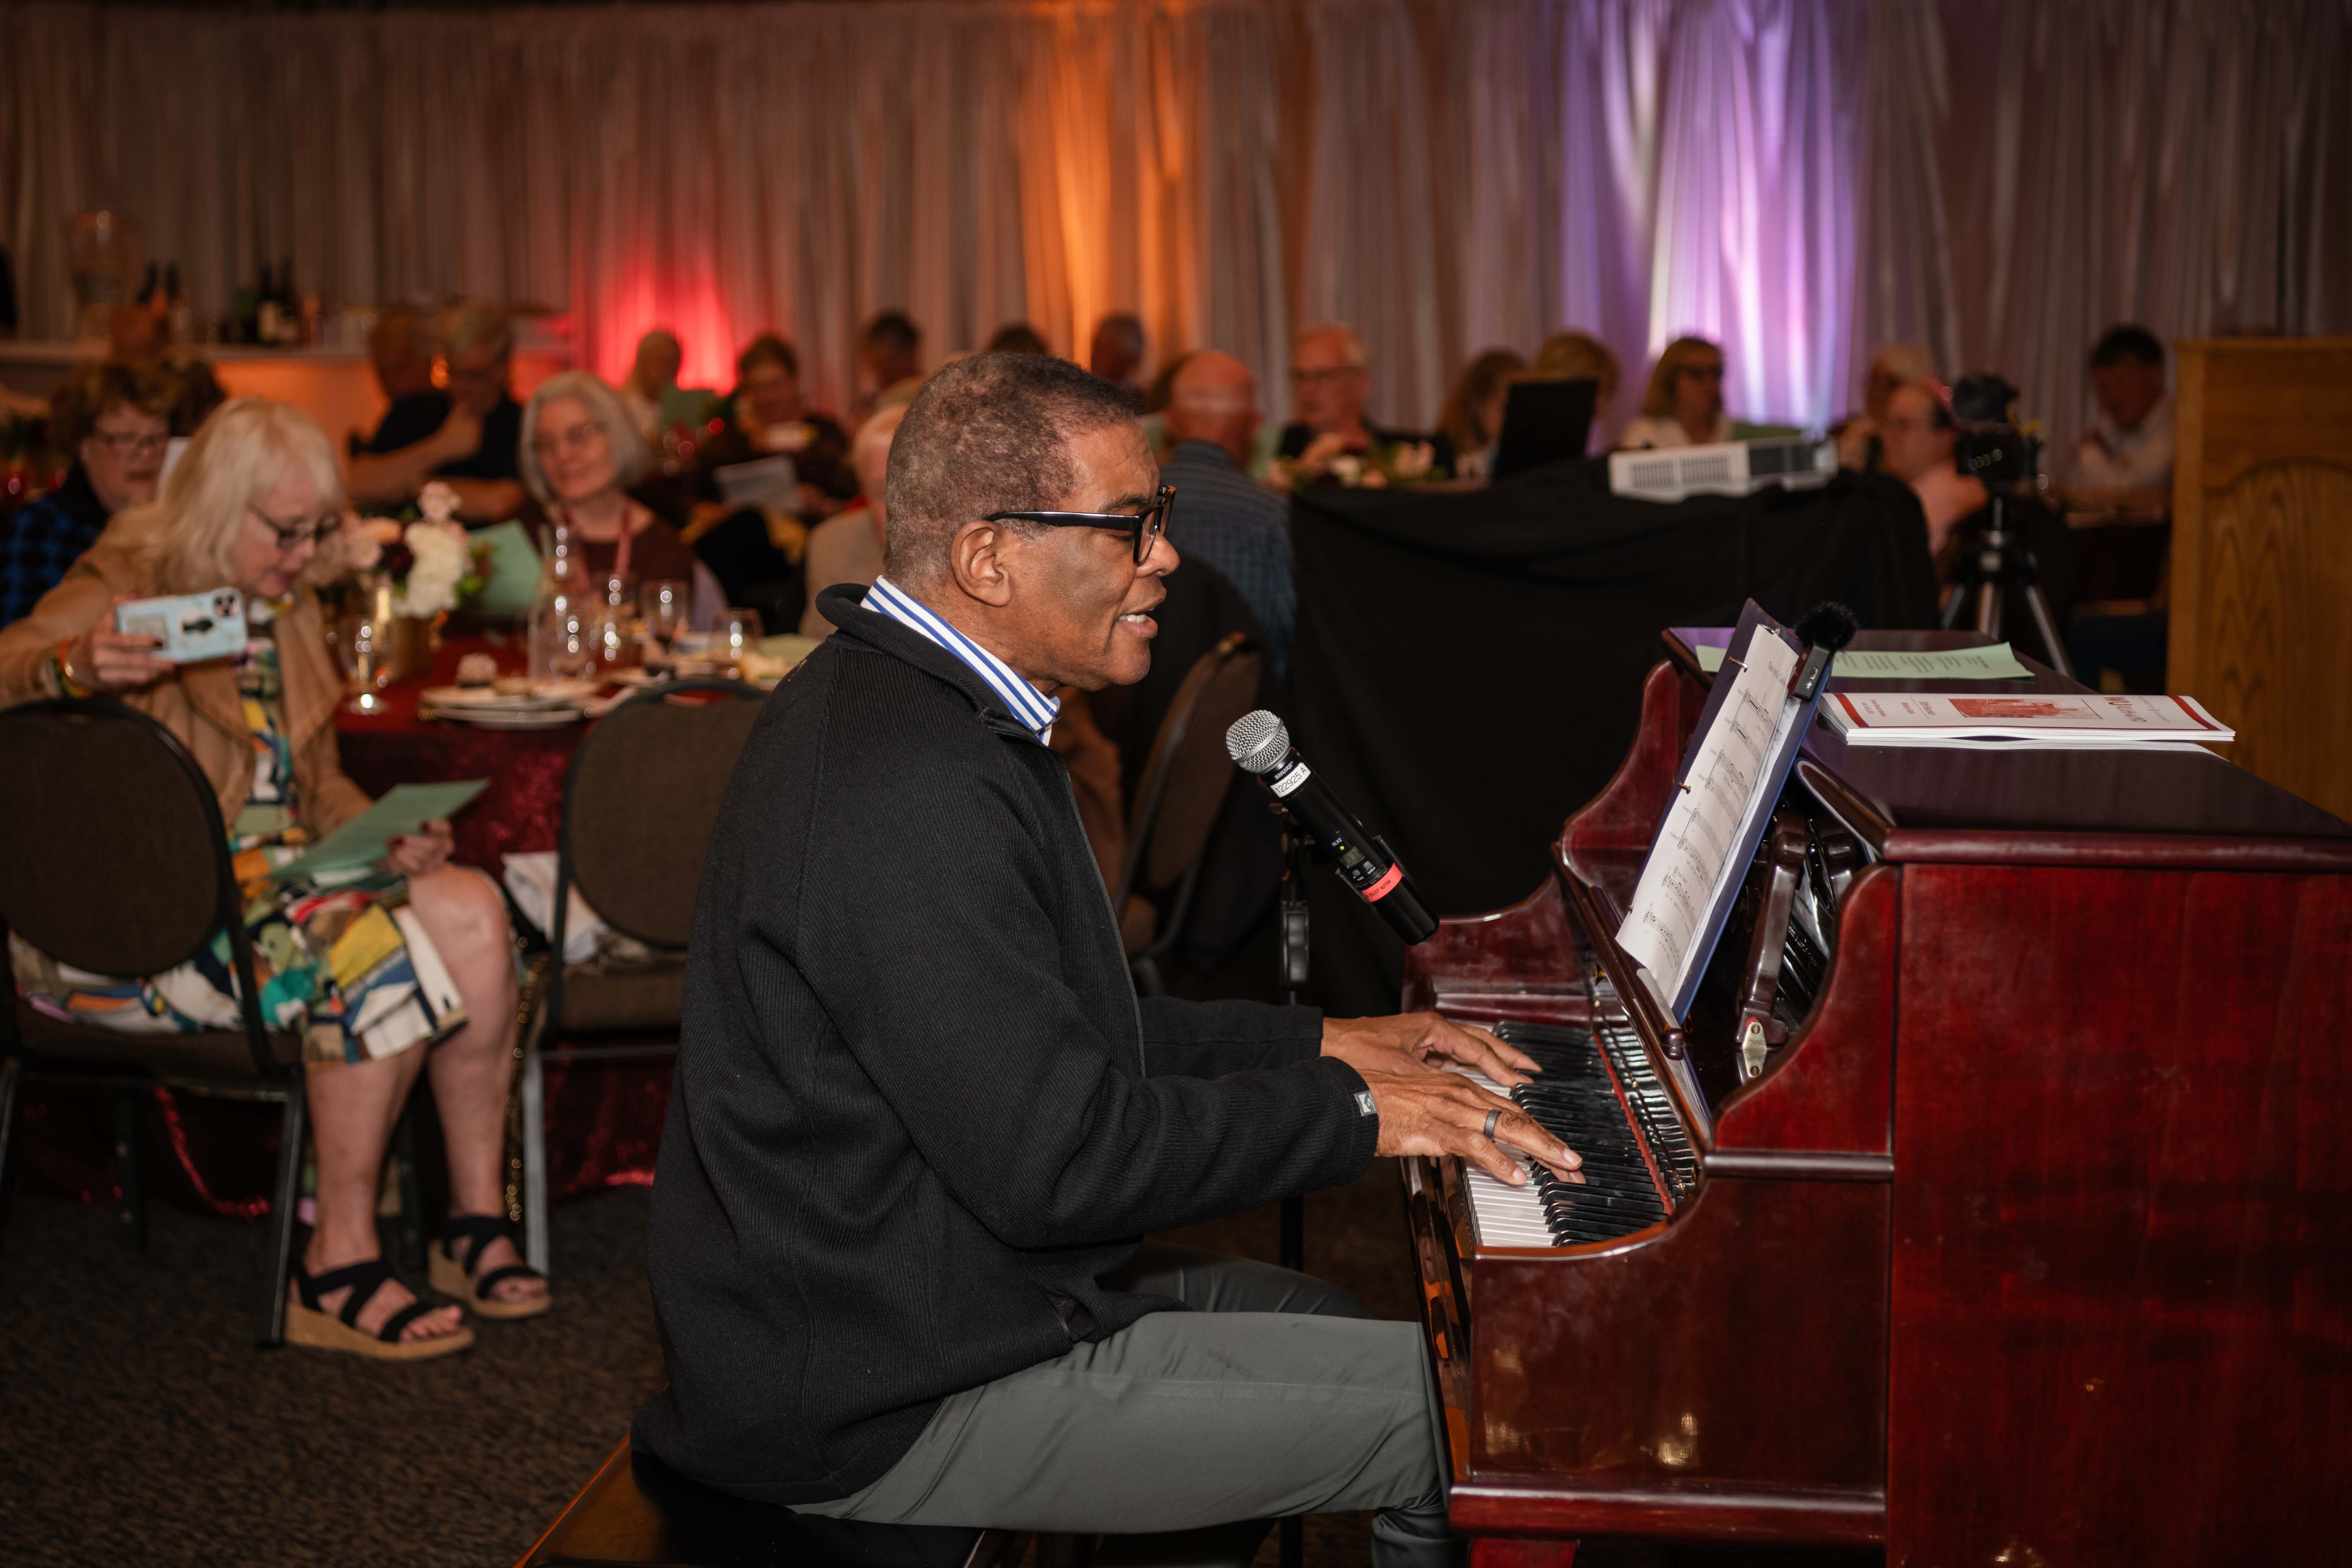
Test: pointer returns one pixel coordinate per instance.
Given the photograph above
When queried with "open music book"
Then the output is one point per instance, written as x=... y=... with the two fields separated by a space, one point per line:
x=1746 y=740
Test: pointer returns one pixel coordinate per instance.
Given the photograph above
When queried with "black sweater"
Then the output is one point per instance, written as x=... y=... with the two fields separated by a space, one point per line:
x=918 y=1112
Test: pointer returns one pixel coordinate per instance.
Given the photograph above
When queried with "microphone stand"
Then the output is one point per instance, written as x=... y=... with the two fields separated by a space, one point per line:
x=1296 y=850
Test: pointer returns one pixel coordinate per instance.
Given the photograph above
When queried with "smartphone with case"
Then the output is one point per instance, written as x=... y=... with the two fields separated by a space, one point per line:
x=192 y=628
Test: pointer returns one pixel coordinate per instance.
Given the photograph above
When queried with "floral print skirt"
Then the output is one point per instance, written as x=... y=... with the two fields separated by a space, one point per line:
x=349 y=967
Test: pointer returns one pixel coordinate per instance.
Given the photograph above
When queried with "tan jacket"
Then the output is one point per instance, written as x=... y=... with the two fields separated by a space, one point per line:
x=199 y=703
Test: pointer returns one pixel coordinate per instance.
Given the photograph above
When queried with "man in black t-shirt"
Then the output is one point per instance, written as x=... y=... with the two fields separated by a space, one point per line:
x=469 y=436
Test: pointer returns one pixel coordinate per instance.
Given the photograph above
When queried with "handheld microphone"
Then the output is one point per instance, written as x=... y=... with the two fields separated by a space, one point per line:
x=1260 y=743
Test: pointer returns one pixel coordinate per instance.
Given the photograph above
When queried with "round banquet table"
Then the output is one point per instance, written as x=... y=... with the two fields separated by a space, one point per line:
x=604 y=1119
x=524 y=803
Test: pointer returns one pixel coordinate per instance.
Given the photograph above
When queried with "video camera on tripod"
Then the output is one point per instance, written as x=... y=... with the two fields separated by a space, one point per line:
x=1994 y=563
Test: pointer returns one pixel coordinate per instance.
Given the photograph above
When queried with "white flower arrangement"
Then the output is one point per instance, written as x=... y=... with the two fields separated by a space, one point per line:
x=433 y=565
x=441 y=559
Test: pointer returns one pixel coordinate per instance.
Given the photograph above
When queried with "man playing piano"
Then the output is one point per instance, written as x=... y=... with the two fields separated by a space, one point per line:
x=921 y=1118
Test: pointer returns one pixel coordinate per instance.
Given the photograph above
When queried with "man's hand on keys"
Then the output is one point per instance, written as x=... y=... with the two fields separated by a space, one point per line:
x=1427 y=1108
x=1427 y=1039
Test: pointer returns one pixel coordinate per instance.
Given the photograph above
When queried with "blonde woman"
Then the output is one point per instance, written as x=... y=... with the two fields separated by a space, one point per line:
x=1684 y=405
x=408 y=971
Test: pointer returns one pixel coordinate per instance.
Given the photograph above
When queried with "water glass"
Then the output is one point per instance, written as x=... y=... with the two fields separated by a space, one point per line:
x=664 y=605
x=742 y=631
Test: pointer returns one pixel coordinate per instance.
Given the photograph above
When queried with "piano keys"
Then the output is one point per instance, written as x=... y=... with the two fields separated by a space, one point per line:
x=1994 y=1204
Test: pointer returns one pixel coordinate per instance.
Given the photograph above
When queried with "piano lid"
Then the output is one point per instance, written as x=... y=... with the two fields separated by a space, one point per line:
x=2123 y=806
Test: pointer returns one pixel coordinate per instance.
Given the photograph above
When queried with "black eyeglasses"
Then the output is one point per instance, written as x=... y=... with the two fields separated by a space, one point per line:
x=292 y=539
x=1147 y=525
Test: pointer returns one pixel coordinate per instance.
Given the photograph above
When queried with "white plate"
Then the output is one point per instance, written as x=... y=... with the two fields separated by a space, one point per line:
x=541 y=695
x=505 y=718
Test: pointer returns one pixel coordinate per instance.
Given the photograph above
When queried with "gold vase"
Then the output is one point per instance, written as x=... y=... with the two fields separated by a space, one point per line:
x=405 y=643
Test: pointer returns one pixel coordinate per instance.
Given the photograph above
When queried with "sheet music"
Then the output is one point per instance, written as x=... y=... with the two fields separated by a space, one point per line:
x=1688 y=862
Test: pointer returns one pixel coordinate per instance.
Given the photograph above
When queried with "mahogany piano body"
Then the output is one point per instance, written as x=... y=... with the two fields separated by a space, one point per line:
x=2033 y=1245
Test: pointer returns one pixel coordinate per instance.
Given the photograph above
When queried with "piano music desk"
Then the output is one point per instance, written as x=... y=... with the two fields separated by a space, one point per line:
x=2033 y=1244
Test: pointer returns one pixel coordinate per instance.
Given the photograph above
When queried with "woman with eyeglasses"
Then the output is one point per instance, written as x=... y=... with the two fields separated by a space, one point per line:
x=1684 y=405
x=580 y=451
x=408 y=970
x=114 y=417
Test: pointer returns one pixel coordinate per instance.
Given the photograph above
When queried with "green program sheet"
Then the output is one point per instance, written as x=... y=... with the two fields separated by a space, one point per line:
x=1993 y=663
x=367 y=837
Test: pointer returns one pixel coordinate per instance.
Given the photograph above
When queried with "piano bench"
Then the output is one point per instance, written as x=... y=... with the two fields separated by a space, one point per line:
x=638 y=1511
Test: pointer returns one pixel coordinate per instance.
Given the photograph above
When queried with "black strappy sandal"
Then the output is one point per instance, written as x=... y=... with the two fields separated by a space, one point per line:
x=454 y=1276
x=309 y=1323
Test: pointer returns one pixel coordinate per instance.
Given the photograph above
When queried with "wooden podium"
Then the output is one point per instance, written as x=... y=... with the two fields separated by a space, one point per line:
x=2262 y=554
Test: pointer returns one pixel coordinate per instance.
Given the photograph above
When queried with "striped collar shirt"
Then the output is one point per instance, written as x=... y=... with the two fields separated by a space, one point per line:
x=1032 y=707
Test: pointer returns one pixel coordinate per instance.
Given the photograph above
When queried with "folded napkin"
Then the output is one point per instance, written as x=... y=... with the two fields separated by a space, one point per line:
x=531 y=878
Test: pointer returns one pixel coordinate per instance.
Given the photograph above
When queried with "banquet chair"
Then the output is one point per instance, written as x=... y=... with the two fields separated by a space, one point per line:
x=1186 y=777
x=636 y=1510
x=639 y=803
x=143 y=884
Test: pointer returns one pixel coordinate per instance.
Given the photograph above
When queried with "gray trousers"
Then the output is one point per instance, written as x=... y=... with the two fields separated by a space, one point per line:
x=1187 y=1432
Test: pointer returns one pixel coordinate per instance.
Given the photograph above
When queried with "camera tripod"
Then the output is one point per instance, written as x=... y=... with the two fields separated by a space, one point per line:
x=1993 y=565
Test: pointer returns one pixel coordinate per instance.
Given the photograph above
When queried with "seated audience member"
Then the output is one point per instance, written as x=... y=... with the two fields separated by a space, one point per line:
x=1684 y=403
x=469 y=435
x=766 y=416
x=651 y=391
x=1472 y=420
x=1573 y=355
x=1330 y=379
x=400 y=347
x=138 y=335
x=922 y=1306
x=581 y=452
x=1857 y=436
x=413 y=963
x=2126 y=457
x=1221 y=515
x=889 y=353
x=847 y=546
x=1916 y=437
x=1115 y=354
x=1017 y=338
x=114 y=417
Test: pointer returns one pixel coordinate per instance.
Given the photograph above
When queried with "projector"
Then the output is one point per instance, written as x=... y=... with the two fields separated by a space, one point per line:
x=1722 y=468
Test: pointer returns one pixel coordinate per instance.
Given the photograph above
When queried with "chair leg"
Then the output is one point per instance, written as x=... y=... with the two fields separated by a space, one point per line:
x=534 y=1162
x=11 y=1072
x=281 y=1214
x=408 y=1239
x=130 y=1208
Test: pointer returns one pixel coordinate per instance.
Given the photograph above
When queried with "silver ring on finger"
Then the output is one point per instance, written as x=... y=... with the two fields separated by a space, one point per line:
x=1493 y=1118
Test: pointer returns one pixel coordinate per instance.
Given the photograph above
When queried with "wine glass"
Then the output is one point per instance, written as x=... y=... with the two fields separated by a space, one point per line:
x=742 y=631
x=362 y=648
x=665 y=605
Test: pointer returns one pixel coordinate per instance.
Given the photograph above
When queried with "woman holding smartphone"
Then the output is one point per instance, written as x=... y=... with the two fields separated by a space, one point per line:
x=409 y=970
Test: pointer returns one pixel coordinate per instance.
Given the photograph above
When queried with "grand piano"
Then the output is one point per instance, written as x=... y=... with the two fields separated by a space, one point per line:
x=1993 y=1205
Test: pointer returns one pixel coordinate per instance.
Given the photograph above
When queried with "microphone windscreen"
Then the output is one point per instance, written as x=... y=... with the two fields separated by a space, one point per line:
x=1258 y=741
x=1828 y=624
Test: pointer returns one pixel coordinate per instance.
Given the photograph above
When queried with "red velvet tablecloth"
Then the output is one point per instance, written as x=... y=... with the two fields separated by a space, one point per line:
x=524 y=802
x=603 y=1119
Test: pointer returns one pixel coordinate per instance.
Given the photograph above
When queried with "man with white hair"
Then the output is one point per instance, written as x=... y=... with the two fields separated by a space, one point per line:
x=1330 y=382
x=1223 y=516
x=921 y=1120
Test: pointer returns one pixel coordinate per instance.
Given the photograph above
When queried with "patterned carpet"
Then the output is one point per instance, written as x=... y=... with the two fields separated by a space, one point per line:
x=143 y=1426
x=140 y=1425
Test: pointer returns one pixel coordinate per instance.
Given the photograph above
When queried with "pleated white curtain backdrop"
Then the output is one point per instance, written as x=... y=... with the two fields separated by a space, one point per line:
x=2040 y=172
x=1800 y=179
